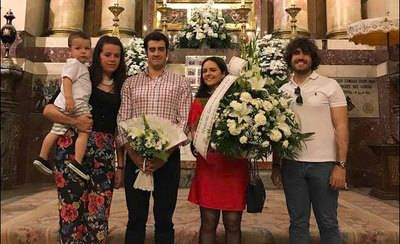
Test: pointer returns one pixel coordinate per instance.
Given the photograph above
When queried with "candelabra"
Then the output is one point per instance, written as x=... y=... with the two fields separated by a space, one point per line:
x=116 y=10
x=8 y=35
x=293 y=11
x=243 y=13
x=164 y=10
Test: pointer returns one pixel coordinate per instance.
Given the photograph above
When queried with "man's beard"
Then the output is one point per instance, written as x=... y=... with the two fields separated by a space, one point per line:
x=304 y=71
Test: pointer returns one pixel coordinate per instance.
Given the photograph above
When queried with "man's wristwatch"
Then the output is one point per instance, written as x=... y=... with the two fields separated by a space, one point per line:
x=341 y=163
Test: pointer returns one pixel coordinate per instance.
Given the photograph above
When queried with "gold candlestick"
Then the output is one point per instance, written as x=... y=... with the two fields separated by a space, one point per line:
x=164 y=10
x=293 y=11
x=116 y=10
x=243 y=13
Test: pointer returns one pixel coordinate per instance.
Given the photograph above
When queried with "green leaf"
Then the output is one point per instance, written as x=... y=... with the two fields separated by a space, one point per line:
x=163 y=155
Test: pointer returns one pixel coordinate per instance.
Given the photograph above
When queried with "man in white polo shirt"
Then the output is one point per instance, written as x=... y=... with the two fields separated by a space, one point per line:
x=314 y=177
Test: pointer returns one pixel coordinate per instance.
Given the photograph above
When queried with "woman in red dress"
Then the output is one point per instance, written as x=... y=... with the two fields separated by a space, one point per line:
x=219 y=184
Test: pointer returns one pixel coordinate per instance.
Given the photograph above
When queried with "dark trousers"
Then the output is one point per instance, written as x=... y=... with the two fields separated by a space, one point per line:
x=166 y=183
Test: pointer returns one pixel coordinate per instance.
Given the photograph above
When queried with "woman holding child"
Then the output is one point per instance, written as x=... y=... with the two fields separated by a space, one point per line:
x=84 y=206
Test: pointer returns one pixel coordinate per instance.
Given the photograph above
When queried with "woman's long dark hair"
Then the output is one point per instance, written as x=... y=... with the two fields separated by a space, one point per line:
x=205 y=91
x=95 y=69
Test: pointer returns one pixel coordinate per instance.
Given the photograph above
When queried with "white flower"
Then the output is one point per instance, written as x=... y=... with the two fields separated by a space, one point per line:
x=245 y=97
x=260 y=119
x=235 y=130
x=265 y=144
x=257 y=83
x=275 y=135
x=134 y=56
x=189 y=35
x=235 y=105
x=219 y=132
x=200 y=36
x=213 y=145
x=283 y=102
x=243 y=139
x=267 y=106
x=284 y=128
x=240 y=110
x=285 y=144
x=204 y=23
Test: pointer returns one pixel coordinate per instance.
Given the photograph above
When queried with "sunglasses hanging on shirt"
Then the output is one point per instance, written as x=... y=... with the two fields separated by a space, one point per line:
x=299 y=98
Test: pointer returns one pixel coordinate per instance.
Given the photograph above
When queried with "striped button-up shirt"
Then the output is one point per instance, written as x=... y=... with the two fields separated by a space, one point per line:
x=167 y=96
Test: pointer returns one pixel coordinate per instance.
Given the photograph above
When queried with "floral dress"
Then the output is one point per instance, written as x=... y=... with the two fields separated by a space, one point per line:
x=84 y=206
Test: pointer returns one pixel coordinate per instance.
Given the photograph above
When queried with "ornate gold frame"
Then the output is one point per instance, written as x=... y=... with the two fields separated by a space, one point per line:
x=251 y=25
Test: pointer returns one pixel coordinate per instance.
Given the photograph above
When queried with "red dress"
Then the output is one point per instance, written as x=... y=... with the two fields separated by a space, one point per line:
x=219 y=182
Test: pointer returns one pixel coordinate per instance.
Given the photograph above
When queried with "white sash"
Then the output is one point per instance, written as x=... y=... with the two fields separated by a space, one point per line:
x=206 y=122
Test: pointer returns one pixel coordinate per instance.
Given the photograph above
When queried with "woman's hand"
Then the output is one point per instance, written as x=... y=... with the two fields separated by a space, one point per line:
x=84 y=123
x=119 y=178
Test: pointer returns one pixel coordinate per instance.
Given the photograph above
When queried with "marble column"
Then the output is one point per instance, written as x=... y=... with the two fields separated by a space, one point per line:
x=126 y=18
x=282 y=18
x=66 y=16
x=339 y=14
x=379 y=8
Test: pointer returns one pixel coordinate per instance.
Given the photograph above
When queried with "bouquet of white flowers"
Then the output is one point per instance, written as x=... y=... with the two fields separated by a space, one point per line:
x=254 y=119
x=270 y=54
x=151 y=136
x=204 y=27
x=135 y=56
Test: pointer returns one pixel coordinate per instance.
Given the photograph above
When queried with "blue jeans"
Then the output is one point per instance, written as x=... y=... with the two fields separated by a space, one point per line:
x=307 y=184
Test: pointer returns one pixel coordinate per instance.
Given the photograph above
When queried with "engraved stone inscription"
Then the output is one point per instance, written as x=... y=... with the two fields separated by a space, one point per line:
x=362 y=96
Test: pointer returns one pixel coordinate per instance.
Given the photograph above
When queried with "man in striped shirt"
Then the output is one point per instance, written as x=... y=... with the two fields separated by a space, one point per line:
x=166 y=95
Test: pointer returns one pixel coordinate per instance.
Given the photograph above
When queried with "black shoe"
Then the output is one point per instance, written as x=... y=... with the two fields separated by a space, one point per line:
x=43 y=165
x=78 y=169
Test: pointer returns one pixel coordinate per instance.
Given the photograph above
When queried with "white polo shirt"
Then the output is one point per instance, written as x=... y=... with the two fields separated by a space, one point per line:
x=81 y=84
x=319 y=95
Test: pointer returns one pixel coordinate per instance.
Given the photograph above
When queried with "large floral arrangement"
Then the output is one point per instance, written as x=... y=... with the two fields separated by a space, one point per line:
x=270 y=53
x=254 y=119
x=204 y=27
x=135 y=56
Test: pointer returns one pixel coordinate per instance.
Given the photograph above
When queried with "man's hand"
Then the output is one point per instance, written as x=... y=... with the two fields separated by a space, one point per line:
x=276 y=175
x=338 y=178
x=119 y=178
x=154 y=164
x=83 y=123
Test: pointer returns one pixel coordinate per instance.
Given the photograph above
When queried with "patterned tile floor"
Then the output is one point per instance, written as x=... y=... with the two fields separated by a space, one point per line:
x=29 y=215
